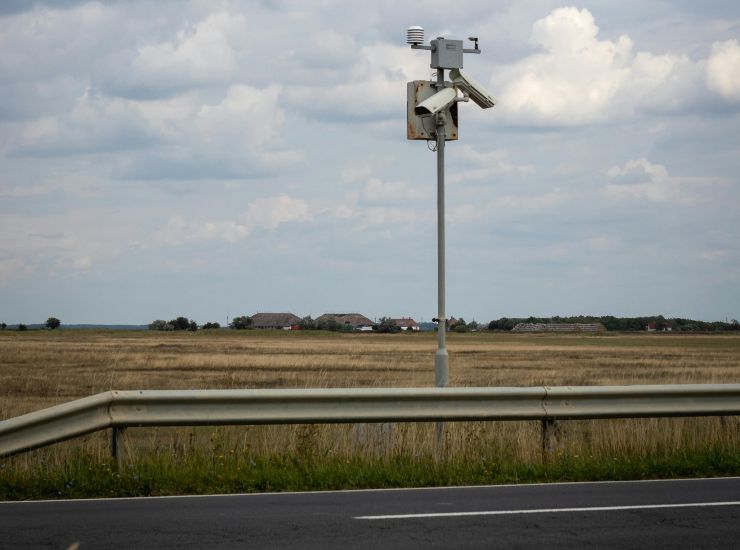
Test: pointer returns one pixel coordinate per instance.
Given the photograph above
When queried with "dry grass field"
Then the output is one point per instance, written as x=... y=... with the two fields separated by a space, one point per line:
x=42 y=368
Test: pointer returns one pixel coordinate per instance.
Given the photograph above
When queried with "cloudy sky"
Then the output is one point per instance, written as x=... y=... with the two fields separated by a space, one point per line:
x=207 y=158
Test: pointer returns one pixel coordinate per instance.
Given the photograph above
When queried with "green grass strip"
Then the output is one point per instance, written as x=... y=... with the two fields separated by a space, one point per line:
x=83 y=476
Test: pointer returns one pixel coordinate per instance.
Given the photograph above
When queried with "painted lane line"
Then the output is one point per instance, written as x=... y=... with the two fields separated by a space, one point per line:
x=385 y=490
x=552 y=510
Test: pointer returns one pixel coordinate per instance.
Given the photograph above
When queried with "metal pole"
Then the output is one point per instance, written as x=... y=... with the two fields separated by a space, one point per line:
x=441 y=358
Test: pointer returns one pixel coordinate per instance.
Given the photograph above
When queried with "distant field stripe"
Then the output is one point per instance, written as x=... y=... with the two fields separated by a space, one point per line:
x=552 y=510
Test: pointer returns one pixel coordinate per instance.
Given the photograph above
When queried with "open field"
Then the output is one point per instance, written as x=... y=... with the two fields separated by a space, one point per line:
x=40 y=369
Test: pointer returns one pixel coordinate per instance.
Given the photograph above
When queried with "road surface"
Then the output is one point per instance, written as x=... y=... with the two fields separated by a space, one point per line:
x=655 y=514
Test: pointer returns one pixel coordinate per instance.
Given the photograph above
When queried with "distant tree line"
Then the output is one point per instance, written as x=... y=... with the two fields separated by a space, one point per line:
x=627 y=324
x=308 y=323
x=51 y=324
x=183 y=323
x=387 y=325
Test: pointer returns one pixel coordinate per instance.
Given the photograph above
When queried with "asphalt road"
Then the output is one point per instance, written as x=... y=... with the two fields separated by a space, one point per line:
x=659 y=514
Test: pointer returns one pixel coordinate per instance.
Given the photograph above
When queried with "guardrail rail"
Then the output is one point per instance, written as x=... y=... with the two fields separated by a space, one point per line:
x=121 y=409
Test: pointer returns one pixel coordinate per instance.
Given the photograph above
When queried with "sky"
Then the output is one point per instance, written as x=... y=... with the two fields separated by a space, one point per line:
x=221 y=158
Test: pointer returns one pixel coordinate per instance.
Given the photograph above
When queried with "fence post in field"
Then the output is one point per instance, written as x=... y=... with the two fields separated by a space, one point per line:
x=550 y=429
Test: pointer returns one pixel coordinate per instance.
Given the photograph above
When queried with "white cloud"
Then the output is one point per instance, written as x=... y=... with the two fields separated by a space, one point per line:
x=391 y=218
x=640 y=169
x=226 y=231
x=516 y=206
x=375 y=208
x=265 y=213
x=14 y=268
x=373 y=87
x=93 y=124
x=482 y=165
x=356 y=172
x=48 y=41
x=723 y=70
x=178 y=231
x=639 y=179
x=168 y=94
x=271 y=212
x=324 y=49
x=236 y=135
x=60 y=243
x=530 y=203
x=714 y=255
x=77 y=263
x=465 y=213
x=207 y=53
x=383 y=193
x=579 y=79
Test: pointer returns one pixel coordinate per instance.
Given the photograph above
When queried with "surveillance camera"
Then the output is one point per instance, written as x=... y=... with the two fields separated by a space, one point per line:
x=477 y=93
x=438 y=102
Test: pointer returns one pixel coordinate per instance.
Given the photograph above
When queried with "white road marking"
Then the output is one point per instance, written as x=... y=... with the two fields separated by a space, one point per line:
x=386 y=490
x=551 y=510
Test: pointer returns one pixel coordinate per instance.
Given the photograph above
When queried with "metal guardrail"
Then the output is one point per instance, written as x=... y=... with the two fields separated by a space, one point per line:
x=121 y=409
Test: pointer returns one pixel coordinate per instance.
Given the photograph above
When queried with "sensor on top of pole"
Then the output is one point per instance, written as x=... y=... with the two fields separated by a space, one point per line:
x=415 y=35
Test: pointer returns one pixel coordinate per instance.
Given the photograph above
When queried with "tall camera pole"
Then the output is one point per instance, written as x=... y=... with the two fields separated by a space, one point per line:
x=441 y=369
x=436 y=102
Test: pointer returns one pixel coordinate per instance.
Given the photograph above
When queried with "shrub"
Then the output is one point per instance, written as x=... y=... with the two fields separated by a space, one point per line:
x=307 y=323
x=160 y=324
x=387 y=325
x=241 y=323
x=52 y=323
x=181 y=323
x=329 y=324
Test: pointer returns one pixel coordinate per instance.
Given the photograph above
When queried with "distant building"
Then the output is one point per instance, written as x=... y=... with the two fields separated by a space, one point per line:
x=665 y=326
x=275 y=320
x=407 y=323
x=354 y=320
x=559 y=327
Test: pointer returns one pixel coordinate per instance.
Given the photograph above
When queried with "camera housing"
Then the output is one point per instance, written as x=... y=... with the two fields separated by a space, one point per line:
x=438 y=102
x=423 y=127
x=474 y=89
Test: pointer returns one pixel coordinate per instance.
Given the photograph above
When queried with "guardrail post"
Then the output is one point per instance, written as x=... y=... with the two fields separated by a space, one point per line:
x=380 y=437
x=386 y=435
x=116 y=447
x=550 y=430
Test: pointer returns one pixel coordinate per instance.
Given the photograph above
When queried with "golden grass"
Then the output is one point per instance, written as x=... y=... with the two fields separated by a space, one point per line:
x=39 y=369
x=43 y=368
